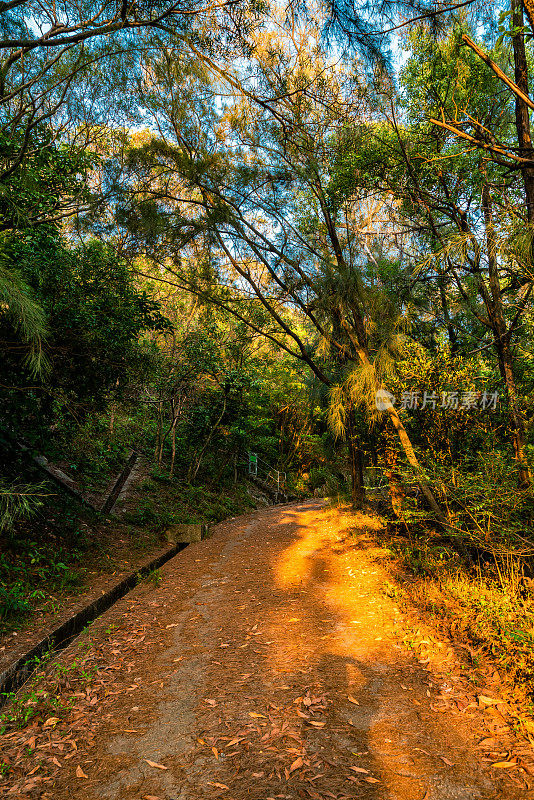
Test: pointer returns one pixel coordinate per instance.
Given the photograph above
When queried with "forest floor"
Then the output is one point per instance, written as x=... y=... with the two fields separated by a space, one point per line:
x=268 y=662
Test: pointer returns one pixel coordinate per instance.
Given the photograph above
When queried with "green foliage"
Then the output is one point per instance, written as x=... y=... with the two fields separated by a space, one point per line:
x=426 y=558
x=18 y=501
x=154 y=578
x=71 y=317
x=95 y=317
x=25 y=314
x=318 y=477
x=48 y=177
x=14 y=601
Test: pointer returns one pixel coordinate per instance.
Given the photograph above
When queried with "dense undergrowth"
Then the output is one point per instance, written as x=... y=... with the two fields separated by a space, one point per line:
x=483 y=604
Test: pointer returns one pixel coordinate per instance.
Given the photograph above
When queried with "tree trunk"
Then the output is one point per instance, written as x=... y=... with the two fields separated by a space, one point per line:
x=193 y=473
x=401 y=432
x=502 y=345
x=522 y=118
x=517 y=424
x=414 y=462
x=355 y=462
x=395 y=485
x=451 y=333
x=358 y=339
x=529 y=8
x=224 y=463
x=173 y=445
x=159 y=429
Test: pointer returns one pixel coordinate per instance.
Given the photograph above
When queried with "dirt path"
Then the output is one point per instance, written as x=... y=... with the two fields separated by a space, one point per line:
x=267 y=664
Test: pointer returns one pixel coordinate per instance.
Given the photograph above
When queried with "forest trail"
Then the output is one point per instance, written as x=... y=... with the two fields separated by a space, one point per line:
x=268 y=664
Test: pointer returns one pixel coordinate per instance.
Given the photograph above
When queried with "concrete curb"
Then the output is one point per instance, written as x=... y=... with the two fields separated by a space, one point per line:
x=20 y=670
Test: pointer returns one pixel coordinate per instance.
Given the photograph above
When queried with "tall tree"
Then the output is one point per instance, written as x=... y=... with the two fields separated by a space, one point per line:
x=459 y=211
x=266 y=209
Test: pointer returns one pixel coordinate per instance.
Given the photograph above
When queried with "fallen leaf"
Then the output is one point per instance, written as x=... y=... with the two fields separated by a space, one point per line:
x=256 y=716
x=258 y=774
x=51 y=721
x=211 y=702
x=80 y=773
x=153 y=764
x=296 y=764
x=488 y=742
x=446 y=761
x=353 y=700
x=56 y=762
x=372 y=780
x=151 y=797
x=360 y=769
x=488 y=701
x=505 y=764
x=215 y=752
x=235 y=741
x=219 y=785
x=316 y=724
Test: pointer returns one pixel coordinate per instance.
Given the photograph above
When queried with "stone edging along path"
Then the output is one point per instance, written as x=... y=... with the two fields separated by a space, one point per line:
x=18 y=672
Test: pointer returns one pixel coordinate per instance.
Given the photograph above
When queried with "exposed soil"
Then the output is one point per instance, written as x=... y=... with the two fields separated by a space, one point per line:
x=267 y=664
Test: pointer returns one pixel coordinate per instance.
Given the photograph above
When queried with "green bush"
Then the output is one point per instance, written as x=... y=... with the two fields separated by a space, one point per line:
x=318 y=477
x=14 y=601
